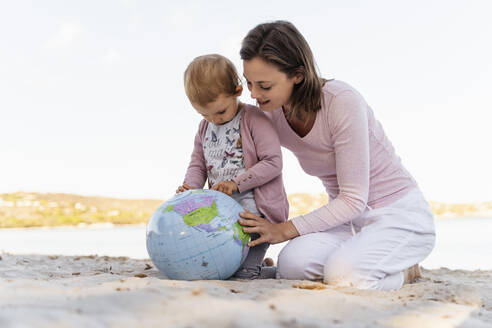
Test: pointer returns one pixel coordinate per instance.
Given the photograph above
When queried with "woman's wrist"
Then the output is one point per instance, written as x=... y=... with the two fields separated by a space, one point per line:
x=288 y=230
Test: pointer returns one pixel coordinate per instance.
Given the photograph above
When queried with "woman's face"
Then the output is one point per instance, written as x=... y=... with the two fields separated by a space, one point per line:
x=270 y=87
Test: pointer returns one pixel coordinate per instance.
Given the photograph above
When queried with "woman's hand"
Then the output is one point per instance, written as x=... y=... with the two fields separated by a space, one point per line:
x=227 y=187
x=272 y=233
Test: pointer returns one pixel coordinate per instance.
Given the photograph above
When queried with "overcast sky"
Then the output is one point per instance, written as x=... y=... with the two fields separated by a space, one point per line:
x=92 y=99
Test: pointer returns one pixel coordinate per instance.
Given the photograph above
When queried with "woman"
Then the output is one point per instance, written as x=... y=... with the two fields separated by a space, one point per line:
x=377 y=226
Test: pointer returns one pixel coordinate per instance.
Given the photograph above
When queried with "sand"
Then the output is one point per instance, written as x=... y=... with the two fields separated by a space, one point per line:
x=92 y=291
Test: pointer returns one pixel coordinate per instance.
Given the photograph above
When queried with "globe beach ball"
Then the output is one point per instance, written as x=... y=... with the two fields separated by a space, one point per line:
x=195 y=235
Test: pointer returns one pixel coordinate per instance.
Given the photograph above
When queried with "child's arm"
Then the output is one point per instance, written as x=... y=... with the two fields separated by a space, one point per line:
x=196 y=174
x=267 y=146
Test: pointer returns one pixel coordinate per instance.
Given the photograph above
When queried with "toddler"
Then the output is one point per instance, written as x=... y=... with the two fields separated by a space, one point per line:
x=236 y=151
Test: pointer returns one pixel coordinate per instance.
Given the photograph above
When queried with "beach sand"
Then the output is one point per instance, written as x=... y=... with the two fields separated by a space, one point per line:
x=92 y=291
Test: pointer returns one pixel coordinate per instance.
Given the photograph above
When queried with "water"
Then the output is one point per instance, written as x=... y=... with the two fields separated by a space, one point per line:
x=461 y=243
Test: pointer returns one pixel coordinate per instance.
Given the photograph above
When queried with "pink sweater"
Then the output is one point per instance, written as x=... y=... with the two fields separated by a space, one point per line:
x=349 y=152
x=262 y=160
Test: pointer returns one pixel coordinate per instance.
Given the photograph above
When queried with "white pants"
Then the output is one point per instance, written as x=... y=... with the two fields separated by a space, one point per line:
x=371 y=252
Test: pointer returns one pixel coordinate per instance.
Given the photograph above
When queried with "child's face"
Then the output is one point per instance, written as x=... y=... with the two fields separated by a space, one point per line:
x=222 y=110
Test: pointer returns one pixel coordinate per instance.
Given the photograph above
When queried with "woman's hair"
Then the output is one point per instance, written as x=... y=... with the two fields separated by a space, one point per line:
x=281 y=44
x=209 y=76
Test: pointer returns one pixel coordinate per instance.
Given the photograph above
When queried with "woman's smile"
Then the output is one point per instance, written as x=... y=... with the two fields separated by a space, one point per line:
x=262 y=102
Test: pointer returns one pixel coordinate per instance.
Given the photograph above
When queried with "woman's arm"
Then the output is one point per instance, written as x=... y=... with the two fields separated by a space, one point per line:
x=348 y=126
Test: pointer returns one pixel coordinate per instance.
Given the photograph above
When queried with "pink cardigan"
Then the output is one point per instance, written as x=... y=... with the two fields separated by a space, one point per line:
x=262 y=159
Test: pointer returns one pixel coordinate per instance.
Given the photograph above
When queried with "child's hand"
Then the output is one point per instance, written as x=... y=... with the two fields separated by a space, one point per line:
x=227 y=187
x=184 y=187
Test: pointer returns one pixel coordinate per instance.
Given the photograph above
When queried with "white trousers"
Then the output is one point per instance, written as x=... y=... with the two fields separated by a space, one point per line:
x=371 y=252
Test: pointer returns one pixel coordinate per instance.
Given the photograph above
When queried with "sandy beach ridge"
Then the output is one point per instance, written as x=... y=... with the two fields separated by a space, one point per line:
x=101 y=291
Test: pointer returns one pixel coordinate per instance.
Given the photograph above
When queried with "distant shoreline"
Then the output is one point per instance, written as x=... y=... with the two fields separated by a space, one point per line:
x=109 y=225
x=24 y=209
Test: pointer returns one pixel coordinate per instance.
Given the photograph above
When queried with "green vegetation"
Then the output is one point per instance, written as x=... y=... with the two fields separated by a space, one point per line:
x=305 y=203
x=18 y=210
x=42 y=210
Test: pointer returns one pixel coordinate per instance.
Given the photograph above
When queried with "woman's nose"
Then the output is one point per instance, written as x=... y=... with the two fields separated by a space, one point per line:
x=254 y=92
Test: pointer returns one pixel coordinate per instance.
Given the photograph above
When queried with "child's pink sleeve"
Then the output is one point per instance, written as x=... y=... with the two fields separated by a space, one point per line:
x=267 y=146
x=196 y=174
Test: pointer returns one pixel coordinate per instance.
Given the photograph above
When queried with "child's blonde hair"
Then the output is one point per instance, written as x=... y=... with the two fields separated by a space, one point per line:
x=209 y=76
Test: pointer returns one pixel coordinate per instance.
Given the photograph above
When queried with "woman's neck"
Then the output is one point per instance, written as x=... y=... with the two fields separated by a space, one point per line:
x=301 y=125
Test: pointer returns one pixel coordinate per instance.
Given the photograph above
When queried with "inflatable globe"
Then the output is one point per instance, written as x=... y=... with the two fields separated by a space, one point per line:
x=195 y=235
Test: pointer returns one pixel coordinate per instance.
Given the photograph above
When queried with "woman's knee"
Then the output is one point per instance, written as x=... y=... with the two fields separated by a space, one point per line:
x=338 y=271
x=343 y=270
x=292 y=265
x=288 y=266
x=346 y=270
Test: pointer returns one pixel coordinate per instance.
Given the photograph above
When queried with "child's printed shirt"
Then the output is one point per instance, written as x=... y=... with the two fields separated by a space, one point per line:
x=224 y=159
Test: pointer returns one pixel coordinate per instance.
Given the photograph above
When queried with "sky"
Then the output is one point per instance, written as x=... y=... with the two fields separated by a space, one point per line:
x=92 y=99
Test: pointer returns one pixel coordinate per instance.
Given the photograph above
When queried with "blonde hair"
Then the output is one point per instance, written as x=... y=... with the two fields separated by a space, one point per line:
x=209 y=76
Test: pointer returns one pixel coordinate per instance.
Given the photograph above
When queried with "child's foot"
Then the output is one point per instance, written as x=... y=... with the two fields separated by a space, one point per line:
x=253 y=273
x=412 y=274
x=268 y=272
x=248 y=273
x=268 y=262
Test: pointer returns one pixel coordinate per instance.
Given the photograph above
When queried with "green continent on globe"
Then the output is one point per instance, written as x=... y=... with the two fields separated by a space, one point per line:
x=201 y=215
x=239 y=234
x=168 y=208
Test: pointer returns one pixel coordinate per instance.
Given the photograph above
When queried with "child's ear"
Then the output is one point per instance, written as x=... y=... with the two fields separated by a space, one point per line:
x=239 y=91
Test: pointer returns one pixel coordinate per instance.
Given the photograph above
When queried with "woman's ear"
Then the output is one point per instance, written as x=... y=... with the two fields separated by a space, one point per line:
x=299 y=77
x=239 y=91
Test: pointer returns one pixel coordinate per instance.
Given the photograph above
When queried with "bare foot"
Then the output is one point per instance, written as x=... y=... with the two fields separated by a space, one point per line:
x=412 y=274
x=268 y=262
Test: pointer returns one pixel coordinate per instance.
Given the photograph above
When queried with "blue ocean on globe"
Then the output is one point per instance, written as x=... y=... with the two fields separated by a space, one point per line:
x=195 y=235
